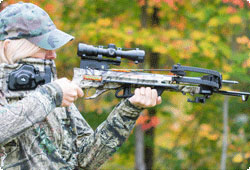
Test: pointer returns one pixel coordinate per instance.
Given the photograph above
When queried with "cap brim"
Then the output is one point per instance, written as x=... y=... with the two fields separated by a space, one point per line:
x=51 y=40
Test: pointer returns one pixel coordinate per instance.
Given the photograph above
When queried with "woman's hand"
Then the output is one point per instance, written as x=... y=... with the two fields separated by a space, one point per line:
x=145 y=97
x=70 y=91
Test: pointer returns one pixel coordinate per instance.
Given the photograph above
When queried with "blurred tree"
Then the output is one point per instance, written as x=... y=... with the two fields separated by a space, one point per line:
x=209 y=34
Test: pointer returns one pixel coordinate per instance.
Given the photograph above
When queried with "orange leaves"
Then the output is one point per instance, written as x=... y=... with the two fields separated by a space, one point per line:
x=231 y=10
x=171 y=3
x=159 y=3
x=147 y=121
x=234 y=4
x=141 y=2
x=206 y=131
x=181 y=24
x=246 y=64
x=227 y=68
x=11 y=1
x=81 y=3
x=247 y=155
x=49 y=8
x=239 y=3
x=242 y=40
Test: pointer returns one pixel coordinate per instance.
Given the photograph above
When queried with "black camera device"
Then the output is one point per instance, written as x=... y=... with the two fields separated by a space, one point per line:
x=28 y=77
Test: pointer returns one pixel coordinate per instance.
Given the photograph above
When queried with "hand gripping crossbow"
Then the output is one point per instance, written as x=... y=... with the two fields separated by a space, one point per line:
x=94 y=72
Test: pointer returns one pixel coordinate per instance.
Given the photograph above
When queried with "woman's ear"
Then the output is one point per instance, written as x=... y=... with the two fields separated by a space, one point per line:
x=6 y=51
x=6 y=44
x=3 y=49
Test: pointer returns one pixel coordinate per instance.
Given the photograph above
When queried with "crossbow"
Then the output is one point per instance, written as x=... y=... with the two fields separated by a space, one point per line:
x=95 y=72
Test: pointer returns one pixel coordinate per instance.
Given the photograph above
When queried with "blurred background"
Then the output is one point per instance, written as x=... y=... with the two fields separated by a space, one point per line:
x=176 y=134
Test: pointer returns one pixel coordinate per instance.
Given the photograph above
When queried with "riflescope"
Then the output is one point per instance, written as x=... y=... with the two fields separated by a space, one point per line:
x=111 y=51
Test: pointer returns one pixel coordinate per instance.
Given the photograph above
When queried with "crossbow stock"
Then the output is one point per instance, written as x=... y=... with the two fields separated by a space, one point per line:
x=94 y=72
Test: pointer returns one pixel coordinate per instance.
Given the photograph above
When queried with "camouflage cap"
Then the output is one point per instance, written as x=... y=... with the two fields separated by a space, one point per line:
x=26 y=20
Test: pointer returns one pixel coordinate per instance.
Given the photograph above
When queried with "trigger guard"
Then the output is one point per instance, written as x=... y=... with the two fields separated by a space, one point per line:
x=97 y=93
x=126 y=90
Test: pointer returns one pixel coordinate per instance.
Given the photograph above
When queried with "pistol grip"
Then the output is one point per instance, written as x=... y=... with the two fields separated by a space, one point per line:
x=126 y=92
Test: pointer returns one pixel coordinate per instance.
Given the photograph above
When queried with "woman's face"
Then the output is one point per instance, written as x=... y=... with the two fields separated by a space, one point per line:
x=45 y=54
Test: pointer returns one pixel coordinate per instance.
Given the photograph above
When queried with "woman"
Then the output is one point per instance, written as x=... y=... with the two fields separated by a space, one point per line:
x=44 y=130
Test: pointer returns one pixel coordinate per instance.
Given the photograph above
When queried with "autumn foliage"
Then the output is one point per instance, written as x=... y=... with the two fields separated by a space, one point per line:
x=209 y=34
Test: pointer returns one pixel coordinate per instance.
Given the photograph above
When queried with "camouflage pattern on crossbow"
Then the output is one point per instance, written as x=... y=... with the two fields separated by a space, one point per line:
x=94 y=72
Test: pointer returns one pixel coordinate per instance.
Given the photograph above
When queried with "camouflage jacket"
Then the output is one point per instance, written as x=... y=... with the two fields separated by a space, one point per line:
x=35 y=134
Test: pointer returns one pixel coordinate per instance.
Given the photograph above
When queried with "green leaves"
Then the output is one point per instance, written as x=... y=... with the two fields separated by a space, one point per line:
x=210 y=34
